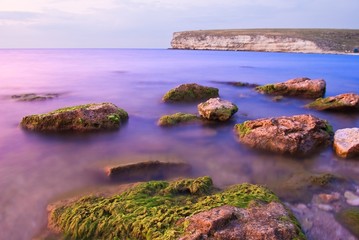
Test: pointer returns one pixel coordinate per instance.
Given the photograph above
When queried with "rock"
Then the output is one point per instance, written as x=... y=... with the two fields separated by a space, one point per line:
x=299 y=134
x=299 y=87
x=28 y=97
x=346 y=142
x=177 y=118
x=217 y=109
x=349 y=218
x=239 y=84
x=190 y=92
x=343 y=102
x=259 y=221
x=77 y=118
x=161 y=210
x=327 y=198
x=145 y=171
x=351 y=198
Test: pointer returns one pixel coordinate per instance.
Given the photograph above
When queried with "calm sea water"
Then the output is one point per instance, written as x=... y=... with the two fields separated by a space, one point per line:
x=36 y=168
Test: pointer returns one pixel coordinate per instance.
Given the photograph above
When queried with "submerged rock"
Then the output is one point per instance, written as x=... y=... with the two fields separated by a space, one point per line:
x=258 y=221
x=190 y=92
x=299 y=134
x=145 y=171
x=87 y=117
x=343 y=102
x=177 y=118
x=351 y=198
x=217 y=109
x=346 y=142
x=163 y=210
x=239 y=84
x=29 y=97
x=349 y=218
x=299 y=87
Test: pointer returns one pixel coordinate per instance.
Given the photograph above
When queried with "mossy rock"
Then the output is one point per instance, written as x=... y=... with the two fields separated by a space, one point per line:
x=81 y=118
x=190 y=92
x=177 y=118
x=343 y=102
x=349 y=218
x=151 y=210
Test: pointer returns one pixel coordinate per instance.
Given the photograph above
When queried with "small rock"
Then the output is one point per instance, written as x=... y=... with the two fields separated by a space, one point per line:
x=299 y=134
x=327 y=198
x=191 y=92
x=145 y=171
x=217 y=109
x=351 y=198
x=277 y=98
x=346 y=142
x=177 y=118
x=81 y=118
x=29 y=97
x=300 y=87
x=239 y=84
x=325 y=207
x=343 y=102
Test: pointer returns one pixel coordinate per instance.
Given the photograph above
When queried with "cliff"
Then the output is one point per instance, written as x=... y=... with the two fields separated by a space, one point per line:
x=270 y=40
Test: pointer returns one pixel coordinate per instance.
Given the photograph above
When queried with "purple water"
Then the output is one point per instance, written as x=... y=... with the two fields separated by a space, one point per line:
x=36 y=168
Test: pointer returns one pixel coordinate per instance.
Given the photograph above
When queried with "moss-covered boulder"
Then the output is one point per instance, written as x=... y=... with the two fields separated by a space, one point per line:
x=346 y=142
x=149 y=170
x=296 y=135
x=348 y=102
x=190 y=92
x=160 y=210
x=177 y=118
x=298 y=87
x=216 y=109
x=87 y=117
x=349 y=218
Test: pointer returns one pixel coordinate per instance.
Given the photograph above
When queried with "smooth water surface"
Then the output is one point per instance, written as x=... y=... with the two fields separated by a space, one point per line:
x=36 y=169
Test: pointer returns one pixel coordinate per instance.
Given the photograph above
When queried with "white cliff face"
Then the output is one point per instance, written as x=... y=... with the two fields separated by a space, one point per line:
x=244 y=43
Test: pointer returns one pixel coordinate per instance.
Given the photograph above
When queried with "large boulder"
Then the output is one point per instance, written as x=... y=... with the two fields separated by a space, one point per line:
x=163 y=210
x=217 y=109
x=87 y=117
x=176 y=119
x=190 y=92
x=299 y=87
x=296 y=135
x=342 y=102
x=258 y=221
x=346 y=142
x=145 y=171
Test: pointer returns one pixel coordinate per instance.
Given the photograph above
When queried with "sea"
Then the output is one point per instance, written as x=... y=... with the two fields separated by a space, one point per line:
x=37 y=169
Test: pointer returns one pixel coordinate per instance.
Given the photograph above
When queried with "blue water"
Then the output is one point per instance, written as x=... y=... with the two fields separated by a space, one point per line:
x=36 y=169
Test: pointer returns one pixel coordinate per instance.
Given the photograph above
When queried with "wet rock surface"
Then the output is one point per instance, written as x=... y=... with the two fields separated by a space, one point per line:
x=145 y=171
x=296 y=135
x=298 y=87
x=190 y=92
x=89 y=117
x=29 y=97
x=346 y=142
x=348 y=102
x=216 y=109
x=177 y=119
x=258 y=221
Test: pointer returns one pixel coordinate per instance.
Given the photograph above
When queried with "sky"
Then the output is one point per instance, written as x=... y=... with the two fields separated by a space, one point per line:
x=151 y=23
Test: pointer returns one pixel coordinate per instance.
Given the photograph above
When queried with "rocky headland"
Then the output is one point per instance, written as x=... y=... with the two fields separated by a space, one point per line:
x=270 y=40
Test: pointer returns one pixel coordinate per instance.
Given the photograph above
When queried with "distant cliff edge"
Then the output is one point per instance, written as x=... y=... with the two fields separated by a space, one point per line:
x=270 y=40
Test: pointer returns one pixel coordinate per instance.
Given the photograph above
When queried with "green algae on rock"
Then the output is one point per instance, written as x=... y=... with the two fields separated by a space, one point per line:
x=343 y=102
x=153 y=210
x=86 y=117
x=216 y=109
x=177 y=118
x=190 y=92
x=298 y=87
x=349 y=218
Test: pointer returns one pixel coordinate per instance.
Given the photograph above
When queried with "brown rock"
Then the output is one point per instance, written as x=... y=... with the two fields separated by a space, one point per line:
x=346 y=142
x=145 y=171
x=217 y=109
x=342 y=102
x=87 y=117
x=259 y=221
x=300 y=87
x=190 y=92
x=299 y=134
